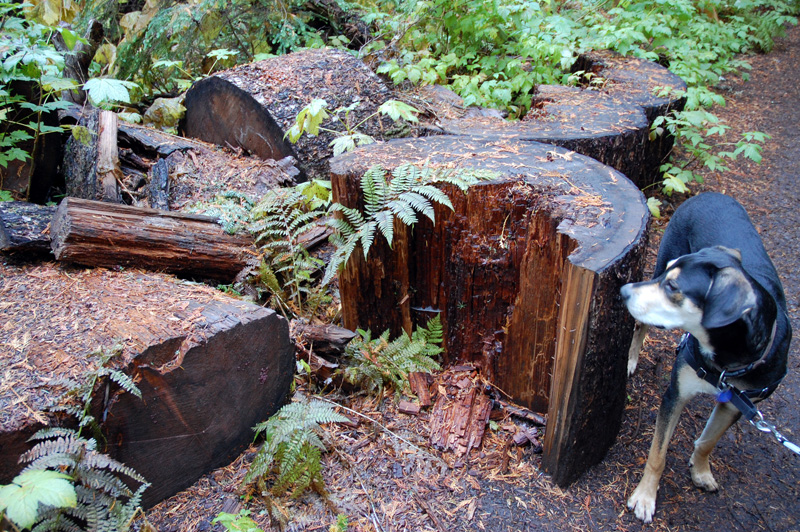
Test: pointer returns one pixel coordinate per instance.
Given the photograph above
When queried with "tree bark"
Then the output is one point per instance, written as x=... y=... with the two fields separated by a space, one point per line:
x=108 y=171
x=209 y=367
x=516 y=271
x=102 y=234
x=78 y=60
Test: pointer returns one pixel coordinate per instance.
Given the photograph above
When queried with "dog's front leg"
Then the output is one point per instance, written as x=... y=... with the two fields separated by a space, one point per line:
x=643 y=499
x=723 y=416
x=639 y=334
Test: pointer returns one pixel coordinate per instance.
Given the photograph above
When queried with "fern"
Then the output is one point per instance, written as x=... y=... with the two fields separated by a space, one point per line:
x=376 y=363
x=293 y=447
x=411 y=192
x=279 y=220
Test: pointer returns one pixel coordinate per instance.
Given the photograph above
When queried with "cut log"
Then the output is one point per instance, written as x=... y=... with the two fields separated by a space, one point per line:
x=529 y=264
x=209 y=366
x=80 y=159
x=584 y=121
x=25 y=227
x=252 y=106
x=96 y=233
x=640 y=82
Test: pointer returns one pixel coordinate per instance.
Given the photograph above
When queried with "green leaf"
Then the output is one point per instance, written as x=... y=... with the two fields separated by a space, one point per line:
x=655 y=207
x=396 y=110
x=22 y=497
x=108 y=90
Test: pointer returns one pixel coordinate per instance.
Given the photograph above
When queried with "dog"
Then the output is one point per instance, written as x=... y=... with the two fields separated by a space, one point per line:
x=713 y=279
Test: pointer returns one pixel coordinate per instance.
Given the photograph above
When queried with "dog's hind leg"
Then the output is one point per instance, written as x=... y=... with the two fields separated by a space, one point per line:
x=639 y=334
x=723 y=416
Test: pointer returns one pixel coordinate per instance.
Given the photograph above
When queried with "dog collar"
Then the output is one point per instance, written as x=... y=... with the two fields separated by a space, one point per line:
x=741 y=399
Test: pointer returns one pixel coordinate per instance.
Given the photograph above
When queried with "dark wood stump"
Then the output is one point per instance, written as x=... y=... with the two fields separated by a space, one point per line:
x=209 y=366
x=635 y=80
x=252 y=106
x=525 y=274
x=585 y=121
x=95 y=233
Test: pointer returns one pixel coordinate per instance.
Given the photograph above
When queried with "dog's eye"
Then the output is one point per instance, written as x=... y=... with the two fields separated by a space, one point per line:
x=670 y=286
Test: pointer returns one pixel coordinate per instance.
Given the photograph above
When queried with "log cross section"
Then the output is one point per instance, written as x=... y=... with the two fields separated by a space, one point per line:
x=525 y=273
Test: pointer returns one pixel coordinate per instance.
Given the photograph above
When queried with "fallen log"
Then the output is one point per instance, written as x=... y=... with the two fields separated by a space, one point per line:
x=24 y=227
x=209 y=366
x=327 y=339
x=525 y=273
x=252 y=106
x=584 y=121
x=95 y=233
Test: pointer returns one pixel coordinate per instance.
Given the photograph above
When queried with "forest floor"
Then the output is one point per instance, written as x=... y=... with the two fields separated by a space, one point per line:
x=386 y=480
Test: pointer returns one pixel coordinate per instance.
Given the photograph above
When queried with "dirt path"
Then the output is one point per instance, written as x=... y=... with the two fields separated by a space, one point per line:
x=382 y=484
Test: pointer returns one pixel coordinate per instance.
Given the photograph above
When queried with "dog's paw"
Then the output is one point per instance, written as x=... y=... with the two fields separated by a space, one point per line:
x=632 y=363
x=643 y=504
x=702 y=478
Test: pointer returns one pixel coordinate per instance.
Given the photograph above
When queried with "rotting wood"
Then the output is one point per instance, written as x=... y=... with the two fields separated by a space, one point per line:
x=158 y=187
x=420 y=384
x=24 y=227
x=409 y=408
x=209 y=366
x=327 y=339
x=458 y=418
x=252 y=106
x=109 y=235
x=585 y=121
x=498 y=270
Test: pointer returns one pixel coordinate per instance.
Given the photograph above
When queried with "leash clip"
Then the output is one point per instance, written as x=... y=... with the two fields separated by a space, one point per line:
x=765 y=426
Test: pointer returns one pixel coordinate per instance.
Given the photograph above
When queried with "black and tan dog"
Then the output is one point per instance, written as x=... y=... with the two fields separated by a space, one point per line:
x=713 y=279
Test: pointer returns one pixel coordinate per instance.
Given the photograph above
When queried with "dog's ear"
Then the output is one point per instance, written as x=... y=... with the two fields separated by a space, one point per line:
x=735 y=253
x=729 y=298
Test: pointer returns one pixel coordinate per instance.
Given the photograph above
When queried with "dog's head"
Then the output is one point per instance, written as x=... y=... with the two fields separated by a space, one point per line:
x=696 y=292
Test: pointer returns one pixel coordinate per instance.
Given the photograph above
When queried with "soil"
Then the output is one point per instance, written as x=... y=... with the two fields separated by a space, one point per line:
x=386 y=478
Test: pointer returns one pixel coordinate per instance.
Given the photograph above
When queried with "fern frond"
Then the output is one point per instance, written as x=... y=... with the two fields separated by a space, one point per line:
x=125 y=382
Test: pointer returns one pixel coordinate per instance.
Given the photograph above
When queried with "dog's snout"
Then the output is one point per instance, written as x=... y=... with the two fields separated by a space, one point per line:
x=626 y=292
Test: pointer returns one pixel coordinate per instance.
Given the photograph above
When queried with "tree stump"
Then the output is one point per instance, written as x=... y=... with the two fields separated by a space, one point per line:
x=585 y=121
x=525 y=274
x=252 y=106
x=209 y=366
x=638 y=81
x=95 y=233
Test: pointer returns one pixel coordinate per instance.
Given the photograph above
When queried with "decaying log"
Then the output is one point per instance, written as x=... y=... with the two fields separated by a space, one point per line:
x=328 y=339
x=525 y=273
x=96 y=233
x=209 y=366
x=252 y=106
x=158 y=187
x=644 y=83
x=585 y=121
x=80 y=159
x=24 y=227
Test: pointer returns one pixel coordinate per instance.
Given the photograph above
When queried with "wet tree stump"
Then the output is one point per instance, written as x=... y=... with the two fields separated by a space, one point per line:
x=209 y=366
x=525 y=274
x=252 y=106
x=638 y=81
x=585 y=121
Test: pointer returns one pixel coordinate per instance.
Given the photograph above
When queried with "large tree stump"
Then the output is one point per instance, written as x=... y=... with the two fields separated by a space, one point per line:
x=209 y=366
x=252 y=106
x=585 y=121
x=96 y=233
x=525 y=274
x=640 y=82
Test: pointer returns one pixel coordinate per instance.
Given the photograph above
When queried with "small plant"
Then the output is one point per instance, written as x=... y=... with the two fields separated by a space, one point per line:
x=293 y=447
x=240 y=522
x=68 y=485
x=310 y=118
x=376 y=363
